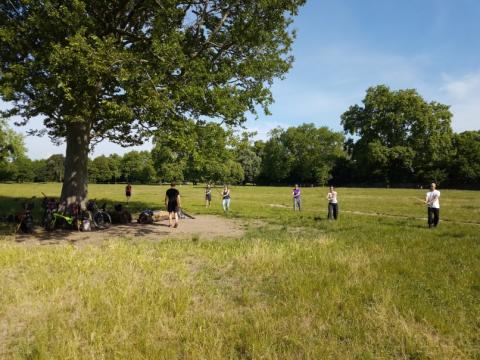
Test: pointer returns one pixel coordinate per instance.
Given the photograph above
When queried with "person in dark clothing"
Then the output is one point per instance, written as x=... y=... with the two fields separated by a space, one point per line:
x=172 y=203
x=128 y=192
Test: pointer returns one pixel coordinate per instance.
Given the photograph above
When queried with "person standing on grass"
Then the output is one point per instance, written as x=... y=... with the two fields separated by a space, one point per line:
x=332 y=204
x=128 y=191
x=296 y=198
x=172 y=203
x=208 y=195
x=226 y=198
x=433 y=202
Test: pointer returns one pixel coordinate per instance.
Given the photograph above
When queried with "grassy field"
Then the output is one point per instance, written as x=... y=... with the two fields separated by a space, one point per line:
x=375 y=284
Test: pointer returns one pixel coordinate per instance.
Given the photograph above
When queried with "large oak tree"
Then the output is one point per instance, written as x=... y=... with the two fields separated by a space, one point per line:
x=119 y=70
x=398 y=136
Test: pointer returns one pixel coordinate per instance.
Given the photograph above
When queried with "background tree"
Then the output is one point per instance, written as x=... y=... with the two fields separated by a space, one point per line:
x=24 y=171
x=247 y=157
x=303 y=154
x=12 y=150
x=137 y=166
x=173 y=145
x=233 y=172
x=194 y=151
x=314 y=152
x=115 y=161
x=39 y=168
x=465 y=166
x=55 y=167
x=399 y=136
x=100 y=170
x=97 y=69
x=251 y=164
x=209 y=161
x=276 y=159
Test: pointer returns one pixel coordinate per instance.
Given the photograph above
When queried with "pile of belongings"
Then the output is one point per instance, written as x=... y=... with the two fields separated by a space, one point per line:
x=151 y=216
x=120 y=215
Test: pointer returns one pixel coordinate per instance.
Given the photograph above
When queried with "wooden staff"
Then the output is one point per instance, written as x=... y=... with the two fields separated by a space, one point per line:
x=420 y=200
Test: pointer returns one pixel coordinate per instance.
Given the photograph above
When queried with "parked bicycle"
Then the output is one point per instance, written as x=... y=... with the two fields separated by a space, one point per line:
x=101 y=219
x=57 y=215
x=54 y=218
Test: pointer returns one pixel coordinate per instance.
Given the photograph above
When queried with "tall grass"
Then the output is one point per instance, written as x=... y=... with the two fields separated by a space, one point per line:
x=297 y=287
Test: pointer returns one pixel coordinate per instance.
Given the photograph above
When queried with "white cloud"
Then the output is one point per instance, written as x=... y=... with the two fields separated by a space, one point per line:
x=263 y=127
x=463 y=94
x=322 y=85
x=461 y=88
x=352 y=65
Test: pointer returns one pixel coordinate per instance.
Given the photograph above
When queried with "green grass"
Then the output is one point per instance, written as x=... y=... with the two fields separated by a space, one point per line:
x=297 y=287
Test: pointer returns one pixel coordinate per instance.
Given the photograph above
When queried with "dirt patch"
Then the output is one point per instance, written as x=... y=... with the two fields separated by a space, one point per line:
x=278 y=206
x=202 y=227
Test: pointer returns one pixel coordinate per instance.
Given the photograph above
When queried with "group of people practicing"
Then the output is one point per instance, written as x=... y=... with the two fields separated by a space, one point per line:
x=173 y=203
x=331 y=197
x=432 y=200
x=225 y=194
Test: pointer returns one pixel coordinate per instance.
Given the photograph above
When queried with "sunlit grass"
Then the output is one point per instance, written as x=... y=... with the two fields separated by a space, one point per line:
x=297 y=287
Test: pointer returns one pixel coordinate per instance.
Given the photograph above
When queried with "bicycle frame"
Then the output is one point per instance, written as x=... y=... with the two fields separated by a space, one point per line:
x=68 y=219
x=53 y=214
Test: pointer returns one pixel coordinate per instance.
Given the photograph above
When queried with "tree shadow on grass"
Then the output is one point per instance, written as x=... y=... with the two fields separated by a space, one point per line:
x=11 y=206
x=59 y=236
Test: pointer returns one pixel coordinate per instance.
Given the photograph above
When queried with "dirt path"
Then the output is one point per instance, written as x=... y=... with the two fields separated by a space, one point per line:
x=202 y=227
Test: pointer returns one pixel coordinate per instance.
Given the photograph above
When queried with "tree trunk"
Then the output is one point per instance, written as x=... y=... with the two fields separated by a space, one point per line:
x=75 y=179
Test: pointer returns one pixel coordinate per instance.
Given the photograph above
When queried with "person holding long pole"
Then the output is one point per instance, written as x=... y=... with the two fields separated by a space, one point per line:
x=332 y=204
x=432 y=200
x=226 y=199
x=296 y=195
x=208 y=196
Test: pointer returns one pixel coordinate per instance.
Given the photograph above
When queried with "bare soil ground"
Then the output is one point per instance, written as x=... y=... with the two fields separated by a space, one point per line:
x=202 y=227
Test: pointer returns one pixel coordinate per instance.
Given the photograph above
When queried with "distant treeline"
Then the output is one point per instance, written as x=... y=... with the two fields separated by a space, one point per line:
x=393 y=138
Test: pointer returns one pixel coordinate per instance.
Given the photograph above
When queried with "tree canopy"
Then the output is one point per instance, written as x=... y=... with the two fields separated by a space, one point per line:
x=465 y=167
x=303 y=154
x=123 y=70
x=11 y=143
x=197 y=152
x=398 y=136
x=246 y=156
x=229 y=158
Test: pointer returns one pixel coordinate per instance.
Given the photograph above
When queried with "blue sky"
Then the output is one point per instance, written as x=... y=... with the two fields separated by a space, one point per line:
x=345 y=46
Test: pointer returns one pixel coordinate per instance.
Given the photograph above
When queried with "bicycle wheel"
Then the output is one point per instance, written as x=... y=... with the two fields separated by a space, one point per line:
x=102 y=220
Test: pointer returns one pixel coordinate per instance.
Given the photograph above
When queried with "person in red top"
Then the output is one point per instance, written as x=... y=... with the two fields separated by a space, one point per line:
x=128 y=191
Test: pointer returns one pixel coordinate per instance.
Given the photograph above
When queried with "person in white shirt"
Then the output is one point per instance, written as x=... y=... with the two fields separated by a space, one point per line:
x=433 y=202
x=332 y=204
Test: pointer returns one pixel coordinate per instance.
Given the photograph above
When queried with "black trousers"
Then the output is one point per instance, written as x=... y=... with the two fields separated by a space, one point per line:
x=433 y=216
x=332 y=211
